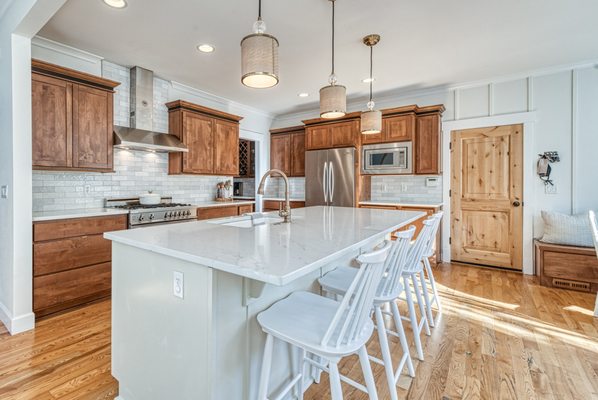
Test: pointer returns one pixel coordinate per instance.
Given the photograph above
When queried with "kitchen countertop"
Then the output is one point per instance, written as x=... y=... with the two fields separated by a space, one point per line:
x=272 y=253
x=208 y=204
x=282 y=199
x=243 y=197
x=80 y=213
x=399 y=203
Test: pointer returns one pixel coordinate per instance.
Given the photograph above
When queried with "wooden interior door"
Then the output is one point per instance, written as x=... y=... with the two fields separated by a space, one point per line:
x=226 y=148
x=92 y=128
x=487 y=196
x=51 y=101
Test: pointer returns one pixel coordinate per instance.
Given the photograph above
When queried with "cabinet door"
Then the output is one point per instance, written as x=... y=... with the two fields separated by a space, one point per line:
x=92 y=128
x=344 y=134
x=399 y=128
x=318 y=137
x=226 y=148
x=372 y=138
x=51 y=101
x=427 y=145
x=298 y=154
x=280 y=152
x=199 y=138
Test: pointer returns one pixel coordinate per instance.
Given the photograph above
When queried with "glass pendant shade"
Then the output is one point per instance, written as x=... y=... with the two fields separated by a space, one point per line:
x=371 y=122
x=333 y=101
x=259 y=61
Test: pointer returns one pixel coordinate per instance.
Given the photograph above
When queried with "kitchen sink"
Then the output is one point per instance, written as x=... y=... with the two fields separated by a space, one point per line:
x=248 y=221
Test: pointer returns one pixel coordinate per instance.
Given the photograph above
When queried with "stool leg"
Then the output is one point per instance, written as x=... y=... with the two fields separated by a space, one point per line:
x=383 y=339
x=403 y=339
x=302 y=372
x=426 y=298
x=266 y=365
x=413 y=319
x=420 y=303
x=433 y=284
x=335 y=382
x=366 y=368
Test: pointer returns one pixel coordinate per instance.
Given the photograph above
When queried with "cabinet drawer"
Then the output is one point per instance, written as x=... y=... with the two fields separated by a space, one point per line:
x=77 y=227
x=61 y=255
x=274 y=205
x=580 y=267
x=70 y=288
x=245 y=209
x=217 y=212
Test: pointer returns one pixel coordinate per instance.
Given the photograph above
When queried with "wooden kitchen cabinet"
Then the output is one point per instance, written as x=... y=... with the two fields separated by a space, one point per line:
x=287 y=150
x=211 y=136
x=72 y=262
x=326 y=134
x=398 y=125
x=427 y=150
x=275 y=205
x=72 y=119
x=223 y=211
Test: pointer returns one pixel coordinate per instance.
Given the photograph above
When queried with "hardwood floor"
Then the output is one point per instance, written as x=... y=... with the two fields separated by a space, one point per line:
x=501 y=336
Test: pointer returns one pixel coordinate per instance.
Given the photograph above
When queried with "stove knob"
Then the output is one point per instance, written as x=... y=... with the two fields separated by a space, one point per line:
x=141 y=218
x=151 y=216
x=178 y=214
x=169 y=214
x=188 y=212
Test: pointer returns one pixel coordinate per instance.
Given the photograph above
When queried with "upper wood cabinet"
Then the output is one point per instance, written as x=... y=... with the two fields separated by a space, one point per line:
x=326 y=134
x=398 y=125
x=427 y=147
x=211 y=136
x=287 y=150
x=72 y=119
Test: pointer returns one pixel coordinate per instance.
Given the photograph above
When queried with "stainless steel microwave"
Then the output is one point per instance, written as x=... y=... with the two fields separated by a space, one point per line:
x=387 y=158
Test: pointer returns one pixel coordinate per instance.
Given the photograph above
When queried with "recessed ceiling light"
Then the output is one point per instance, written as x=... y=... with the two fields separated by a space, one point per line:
x=368 y=80
x=303 y=94
x=116 y=3
x=205 y=48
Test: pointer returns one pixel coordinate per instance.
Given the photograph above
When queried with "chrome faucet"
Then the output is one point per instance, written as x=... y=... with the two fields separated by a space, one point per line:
x=285 y=212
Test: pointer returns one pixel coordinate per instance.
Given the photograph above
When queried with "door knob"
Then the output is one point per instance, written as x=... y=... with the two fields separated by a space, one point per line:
x=516 y=203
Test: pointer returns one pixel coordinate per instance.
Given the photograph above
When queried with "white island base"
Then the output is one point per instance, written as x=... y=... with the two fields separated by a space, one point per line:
x=208 y=345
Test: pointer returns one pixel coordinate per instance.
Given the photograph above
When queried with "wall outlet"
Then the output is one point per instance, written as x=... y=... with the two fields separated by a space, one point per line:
x=383 y=188
x=4 y=192
x=550 y=189
x=178 y=284
x=431 y=182
x=87 y=189
x=403 y=187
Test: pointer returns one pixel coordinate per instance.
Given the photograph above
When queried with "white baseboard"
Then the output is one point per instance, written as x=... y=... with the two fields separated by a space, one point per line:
x=18 y=324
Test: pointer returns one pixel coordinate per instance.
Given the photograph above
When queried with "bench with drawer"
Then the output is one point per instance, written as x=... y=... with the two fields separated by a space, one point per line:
x=72 y=262
x=567 y=267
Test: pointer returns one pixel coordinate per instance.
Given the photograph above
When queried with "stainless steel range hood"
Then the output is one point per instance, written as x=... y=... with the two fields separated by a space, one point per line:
x=140 y=136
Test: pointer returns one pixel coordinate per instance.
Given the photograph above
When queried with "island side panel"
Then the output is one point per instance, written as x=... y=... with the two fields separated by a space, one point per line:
x=160 y=343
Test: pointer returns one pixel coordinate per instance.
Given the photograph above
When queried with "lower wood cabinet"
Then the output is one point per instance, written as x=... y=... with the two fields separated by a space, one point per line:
x=419 y=223
x=72 y=262
x=275 y=205
x=223 y=211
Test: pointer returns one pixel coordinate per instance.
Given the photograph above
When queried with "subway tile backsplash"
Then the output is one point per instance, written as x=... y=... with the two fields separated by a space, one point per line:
x=135 y=172
x=407 y=188
x=275 y=188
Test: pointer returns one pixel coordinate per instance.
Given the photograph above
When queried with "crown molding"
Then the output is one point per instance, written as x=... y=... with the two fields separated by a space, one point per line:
x=219 y=100
x=66 y=50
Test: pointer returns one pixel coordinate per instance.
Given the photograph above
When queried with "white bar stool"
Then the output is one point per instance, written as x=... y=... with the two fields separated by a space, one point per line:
x=389 y=289
x=326 y=328
x=594 y=225
x=411 y=280
x=429 y=252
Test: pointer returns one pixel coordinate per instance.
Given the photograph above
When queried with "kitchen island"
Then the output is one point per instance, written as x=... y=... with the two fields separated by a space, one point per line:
x=185 y=296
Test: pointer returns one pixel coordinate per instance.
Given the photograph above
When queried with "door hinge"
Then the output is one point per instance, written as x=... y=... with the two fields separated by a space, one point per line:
x=450 y=240
x=450 y=145
x=450 y=192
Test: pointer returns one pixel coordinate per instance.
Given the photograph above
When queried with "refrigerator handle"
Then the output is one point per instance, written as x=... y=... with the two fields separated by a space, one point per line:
x=325 y=181
x=331 y=182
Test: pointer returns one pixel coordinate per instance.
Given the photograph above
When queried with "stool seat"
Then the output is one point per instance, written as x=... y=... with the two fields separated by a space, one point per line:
x=303 y=318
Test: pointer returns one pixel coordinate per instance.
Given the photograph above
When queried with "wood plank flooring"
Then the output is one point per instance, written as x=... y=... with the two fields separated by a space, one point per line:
x=500 y=336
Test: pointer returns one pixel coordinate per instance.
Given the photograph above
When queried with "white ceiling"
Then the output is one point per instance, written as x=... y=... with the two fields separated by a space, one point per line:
x=424 y=42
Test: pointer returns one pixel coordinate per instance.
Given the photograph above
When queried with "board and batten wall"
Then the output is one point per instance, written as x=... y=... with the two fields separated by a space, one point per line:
x=565 y=102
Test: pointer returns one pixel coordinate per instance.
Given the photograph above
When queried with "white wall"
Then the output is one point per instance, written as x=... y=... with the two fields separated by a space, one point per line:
x=19 y=21
x=566 y=103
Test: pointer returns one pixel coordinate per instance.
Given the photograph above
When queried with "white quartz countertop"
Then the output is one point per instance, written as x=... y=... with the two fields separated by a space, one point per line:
x=208 y=204
x=271 y=253
x=282 y=199
x=80 y=213
x=398 y=203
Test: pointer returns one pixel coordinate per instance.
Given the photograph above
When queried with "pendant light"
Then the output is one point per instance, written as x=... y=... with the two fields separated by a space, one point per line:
x=259 y=56
x=371 y=120
x=333 y=98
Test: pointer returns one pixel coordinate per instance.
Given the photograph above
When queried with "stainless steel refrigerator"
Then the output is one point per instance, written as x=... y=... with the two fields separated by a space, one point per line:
x=330 y=177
